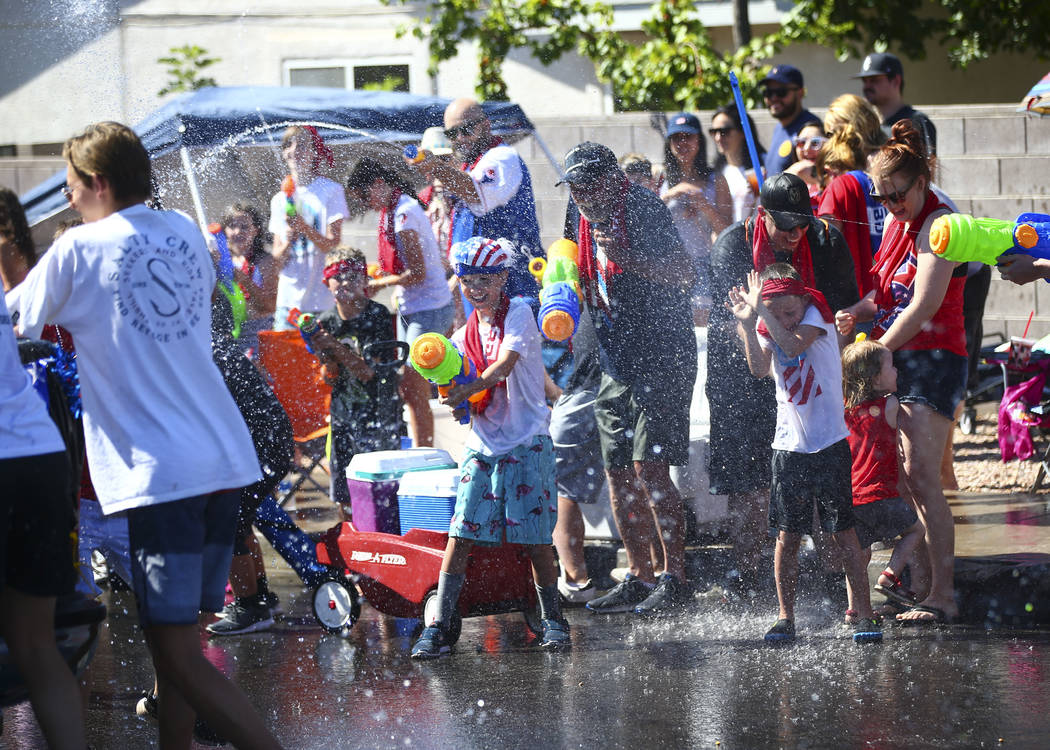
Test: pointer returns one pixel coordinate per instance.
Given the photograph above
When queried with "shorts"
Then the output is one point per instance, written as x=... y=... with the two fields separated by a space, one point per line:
x=628 y=432
x=883 y=519
x=801 y=480
x=37 y=522
x=511 y=494
x=411 y=326
x=107 y=535
x=180 y=556
x=579 y=472
x=935 y=377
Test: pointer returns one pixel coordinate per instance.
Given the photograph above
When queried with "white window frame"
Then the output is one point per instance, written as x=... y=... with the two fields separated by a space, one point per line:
x=348 y=64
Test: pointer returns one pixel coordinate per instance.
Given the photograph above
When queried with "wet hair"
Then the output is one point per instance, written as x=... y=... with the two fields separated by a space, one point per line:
x=778 y=271
x=261 y=233
x=347 y=253
x=850 y=110
x=65 y=226
x=636 y=164
x=905 y=152
x=861 y=364
x=14 y=228
x=733 y=114
x=843 y=151
x=368 y=170
x=112 y=151
x=673 y=170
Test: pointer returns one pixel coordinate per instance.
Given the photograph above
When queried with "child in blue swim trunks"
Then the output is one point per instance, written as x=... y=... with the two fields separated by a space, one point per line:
x=506 y=490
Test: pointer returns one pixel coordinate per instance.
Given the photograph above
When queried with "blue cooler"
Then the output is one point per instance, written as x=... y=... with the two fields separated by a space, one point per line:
x=426 y=499
x=373 y=478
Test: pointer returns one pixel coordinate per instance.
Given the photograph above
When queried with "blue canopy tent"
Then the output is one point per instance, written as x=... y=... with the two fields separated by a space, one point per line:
x=216 y=145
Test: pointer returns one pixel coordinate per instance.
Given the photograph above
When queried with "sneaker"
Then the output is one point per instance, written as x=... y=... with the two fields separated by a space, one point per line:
x=203 y=734
x=273 y=602
x=556 y=635
x=867 y=630
x=243 y=615
x=783 y=631
x=576 y=594
x=432 y=643
x=622 y=598
x=665 y=597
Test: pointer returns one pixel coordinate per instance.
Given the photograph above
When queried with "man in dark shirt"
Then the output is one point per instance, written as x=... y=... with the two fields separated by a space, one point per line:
x=635 y=278
x=783 y=90
x=883 y=78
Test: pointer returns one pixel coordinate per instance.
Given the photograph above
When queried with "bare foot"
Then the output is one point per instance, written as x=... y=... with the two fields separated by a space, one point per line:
x=929 y=613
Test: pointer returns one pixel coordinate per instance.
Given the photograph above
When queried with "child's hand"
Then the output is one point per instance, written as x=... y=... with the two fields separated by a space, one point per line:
x=458 y=394
x=753 y=296
x=845 y=322
x=323 y=341
x=737 y=305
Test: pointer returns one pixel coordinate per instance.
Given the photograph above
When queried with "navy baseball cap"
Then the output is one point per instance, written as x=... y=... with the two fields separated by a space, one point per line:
x=881 y=64
x=587 y=162
x=683 y=122
x=789 y=75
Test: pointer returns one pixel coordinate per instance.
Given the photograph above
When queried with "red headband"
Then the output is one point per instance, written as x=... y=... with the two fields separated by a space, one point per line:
x=321 y=150
x=344 y=266
x=782 y=287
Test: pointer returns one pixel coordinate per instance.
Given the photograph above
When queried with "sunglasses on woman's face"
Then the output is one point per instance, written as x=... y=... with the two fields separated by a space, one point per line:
x=814 y=143
x=892 y=199
x=717 y=132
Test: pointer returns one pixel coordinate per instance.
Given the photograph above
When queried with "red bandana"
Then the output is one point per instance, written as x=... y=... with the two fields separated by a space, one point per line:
x=588 y=263
x=476 y=350
x=783 y=287
x=321 y=150
x=389 y=258
x=762 y=252
x=343 y=266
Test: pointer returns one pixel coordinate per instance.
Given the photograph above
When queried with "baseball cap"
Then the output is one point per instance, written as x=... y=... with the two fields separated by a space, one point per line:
x=683 y=122
x=435 y=142
x=786 y=74
x=881 y=64
x=588 y=161
x=480 y=255
x=786 y=198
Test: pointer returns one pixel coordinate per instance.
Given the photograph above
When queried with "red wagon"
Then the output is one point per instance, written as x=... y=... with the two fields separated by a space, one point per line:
x=398 y=575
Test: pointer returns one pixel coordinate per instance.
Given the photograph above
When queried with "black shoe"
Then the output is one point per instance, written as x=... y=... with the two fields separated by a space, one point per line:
x=867 y=630
x=621 y=598
x=667 y=595
x=782 y=632
x=243 y=615
x=203 y=734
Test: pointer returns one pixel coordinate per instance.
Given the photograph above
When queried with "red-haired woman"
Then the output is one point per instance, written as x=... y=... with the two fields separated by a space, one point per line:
x=917 y=306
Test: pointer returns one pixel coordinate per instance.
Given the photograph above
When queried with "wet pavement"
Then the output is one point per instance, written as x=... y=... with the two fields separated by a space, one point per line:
x=703 y=678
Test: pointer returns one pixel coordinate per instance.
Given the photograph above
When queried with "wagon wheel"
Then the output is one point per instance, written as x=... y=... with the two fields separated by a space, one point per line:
x=337 y=605
x=455 y=626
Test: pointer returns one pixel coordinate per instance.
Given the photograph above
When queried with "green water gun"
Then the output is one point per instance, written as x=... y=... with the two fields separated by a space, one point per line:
x=962 y=238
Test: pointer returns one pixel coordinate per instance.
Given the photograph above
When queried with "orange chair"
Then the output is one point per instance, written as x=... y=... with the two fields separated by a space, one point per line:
x=295 y=376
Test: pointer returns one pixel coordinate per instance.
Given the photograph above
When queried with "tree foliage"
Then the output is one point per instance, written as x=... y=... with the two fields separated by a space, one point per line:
x=677 y=65
x=185 y=64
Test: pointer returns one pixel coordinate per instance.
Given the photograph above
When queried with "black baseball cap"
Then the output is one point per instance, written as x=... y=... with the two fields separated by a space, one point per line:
x=588 y=161
x=785 y=197
x=881 y=64
x=789 y=75
x=683 y=122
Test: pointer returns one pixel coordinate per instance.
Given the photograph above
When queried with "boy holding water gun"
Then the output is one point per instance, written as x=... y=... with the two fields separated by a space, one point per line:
x=506 y=490
x=362 y=400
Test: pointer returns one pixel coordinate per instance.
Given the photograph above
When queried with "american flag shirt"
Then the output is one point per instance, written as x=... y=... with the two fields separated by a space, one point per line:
x=810 y=412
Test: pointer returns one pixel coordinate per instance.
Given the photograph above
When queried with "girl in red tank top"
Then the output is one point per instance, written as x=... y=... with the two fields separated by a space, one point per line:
x=868 y=381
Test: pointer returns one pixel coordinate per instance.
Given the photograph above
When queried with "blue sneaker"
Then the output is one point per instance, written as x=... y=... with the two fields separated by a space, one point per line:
x=867 y=630
x=782 y=633
x=556 y=635
x=432 y=643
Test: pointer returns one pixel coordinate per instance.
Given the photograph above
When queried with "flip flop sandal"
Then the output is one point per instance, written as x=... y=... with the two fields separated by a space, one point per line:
x=896 y=592
x=940 y=618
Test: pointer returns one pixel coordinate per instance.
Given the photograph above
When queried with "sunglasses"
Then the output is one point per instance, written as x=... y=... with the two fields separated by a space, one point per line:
x=814 y=143
x=715 y=132
x=778 y=93
x=893 y=198
x=456 y=130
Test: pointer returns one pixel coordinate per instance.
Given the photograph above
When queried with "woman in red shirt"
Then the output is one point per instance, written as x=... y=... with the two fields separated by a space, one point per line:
x=917 y=308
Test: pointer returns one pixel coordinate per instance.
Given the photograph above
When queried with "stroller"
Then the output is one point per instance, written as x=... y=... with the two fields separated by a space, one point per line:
x=1023 y=408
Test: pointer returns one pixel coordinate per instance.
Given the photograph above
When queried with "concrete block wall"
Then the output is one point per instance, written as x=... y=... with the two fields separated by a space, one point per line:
x=993 y=161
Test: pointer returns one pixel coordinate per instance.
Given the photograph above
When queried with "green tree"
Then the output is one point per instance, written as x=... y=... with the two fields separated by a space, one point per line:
x=185 y=64
x=677 y=65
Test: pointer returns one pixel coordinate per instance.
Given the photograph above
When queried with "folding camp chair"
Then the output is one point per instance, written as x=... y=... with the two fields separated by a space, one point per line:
x=295 y=376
